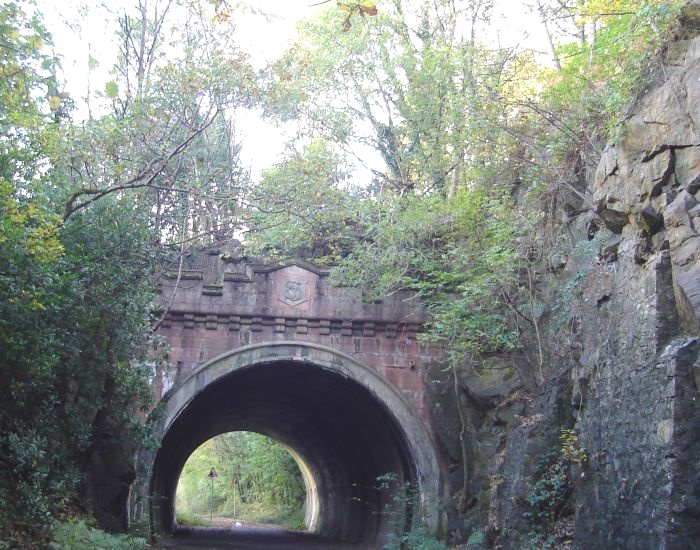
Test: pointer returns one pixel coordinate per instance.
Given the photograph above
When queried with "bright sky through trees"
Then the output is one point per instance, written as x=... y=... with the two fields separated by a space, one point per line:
x=85 y=40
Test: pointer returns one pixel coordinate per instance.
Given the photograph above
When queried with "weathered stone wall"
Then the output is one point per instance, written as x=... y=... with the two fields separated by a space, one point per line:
x=628 y=381
x=619 y=348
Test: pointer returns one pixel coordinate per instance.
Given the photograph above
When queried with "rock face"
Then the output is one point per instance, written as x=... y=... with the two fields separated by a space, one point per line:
x=619 y=348
x=648 y=185
x=636 y=382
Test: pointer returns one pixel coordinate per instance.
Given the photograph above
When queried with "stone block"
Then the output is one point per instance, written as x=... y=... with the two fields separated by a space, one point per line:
x=212 y=322
x=687 y=168
x=650 y=220
x=664 y=432
x=234 y=322
x=188 y=320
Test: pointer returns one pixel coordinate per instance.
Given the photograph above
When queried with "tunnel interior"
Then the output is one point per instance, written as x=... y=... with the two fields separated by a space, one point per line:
x=343 y=436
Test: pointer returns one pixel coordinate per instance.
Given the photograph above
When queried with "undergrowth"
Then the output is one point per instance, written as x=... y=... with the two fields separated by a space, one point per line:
x=406 y=531
x=78 y=534
x=549 y=500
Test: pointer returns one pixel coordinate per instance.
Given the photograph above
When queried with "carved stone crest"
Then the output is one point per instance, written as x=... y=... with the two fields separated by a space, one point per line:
x=293 y=293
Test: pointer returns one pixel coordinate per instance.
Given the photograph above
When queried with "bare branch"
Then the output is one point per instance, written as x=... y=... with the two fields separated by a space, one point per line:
x=144 y=178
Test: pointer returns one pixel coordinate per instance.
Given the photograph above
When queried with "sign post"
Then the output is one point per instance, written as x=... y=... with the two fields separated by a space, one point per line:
x=235 y=486
x=212 y=474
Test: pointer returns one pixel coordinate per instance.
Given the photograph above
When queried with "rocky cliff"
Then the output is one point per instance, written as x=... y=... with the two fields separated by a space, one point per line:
x=637 y=377
x=604 y=451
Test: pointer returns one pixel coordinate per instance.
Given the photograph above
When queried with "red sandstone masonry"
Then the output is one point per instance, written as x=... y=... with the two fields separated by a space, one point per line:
x=243 y=304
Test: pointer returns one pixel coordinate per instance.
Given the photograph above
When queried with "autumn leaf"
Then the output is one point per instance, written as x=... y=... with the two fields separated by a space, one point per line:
x=223 y=16
x=368 y=8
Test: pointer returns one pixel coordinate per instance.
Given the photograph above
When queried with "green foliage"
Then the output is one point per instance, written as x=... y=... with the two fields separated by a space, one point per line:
x=74 y=301
x=85 y=210
x=73 y=334
x=564 y=116
x=26 y=85
x=258 y=480
x=571 y=449
x=303 y=207
x=549 y=497
x=413 y=84
x=185 y=518
x=168 y=137
x=457 y=254
x=405 y=83
x=78 y=534
x=450 y=120
x=604 y=76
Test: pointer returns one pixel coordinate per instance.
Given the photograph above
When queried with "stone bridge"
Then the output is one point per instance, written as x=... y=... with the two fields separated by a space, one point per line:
x=277 y=350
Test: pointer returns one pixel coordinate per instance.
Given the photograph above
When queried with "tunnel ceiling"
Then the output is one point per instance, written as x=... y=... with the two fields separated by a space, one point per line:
x=345 y=435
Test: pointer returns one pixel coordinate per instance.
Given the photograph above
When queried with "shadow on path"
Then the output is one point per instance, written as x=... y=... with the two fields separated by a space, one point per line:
x=244 y=537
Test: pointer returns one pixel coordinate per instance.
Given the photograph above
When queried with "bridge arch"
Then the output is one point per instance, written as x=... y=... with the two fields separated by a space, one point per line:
x=345 y=424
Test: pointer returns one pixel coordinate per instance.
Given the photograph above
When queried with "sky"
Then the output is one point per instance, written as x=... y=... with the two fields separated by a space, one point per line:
x=82 y=29
x=85 y=29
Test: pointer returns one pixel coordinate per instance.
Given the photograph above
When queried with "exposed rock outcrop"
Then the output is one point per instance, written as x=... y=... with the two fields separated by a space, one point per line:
x=648 y=184
x=621 y=344
x=640 y=355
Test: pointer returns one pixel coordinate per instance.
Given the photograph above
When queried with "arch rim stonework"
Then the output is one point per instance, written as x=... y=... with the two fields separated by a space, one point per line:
x=420 y=445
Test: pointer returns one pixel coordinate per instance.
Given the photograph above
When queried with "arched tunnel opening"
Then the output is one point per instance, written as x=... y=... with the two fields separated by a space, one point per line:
x=344 y=432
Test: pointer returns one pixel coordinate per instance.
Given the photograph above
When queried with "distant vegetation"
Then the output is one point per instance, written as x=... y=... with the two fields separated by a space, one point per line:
x=257 y=481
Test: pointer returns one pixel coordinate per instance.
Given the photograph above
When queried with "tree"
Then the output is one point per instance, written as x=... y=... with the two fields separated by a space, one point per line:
x=408 y=83
x=258 y=479
x=415 y=85
x=304 y=206
x=27 y=93
x=74 y=300
x=170 y=137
